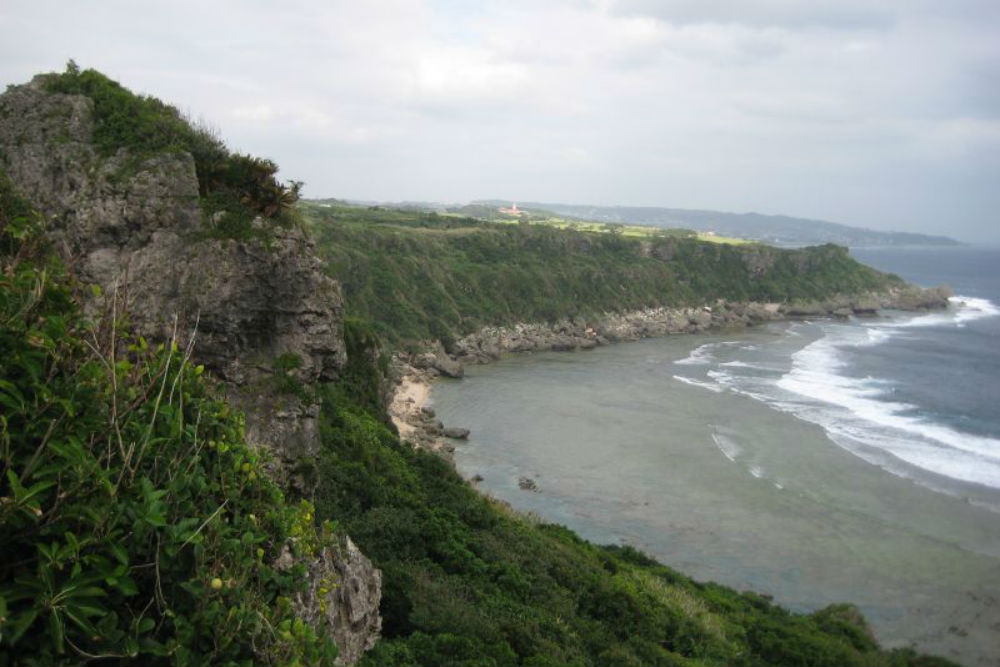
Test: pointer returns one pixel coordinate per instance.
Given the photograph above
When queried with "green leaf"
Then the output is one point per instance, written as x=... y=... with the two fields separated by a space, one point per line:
x=77 y=615
x=119 y=553
x=21 y=624
x=153 y=647
x=127 y=586
x=56 y=632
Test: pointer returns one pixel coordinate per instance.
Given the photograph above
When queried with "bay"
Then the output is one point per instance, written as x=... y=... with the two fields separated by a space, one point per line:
x=703 y=452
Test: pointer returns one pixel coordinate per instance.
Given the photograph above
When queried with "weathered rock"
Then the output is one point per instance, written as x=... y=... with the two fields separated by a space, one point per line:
x=806 y=309
x=527 y=484
x=562 y=344
x=448 y=366
x=842 y=313
x=865 y=306
x=455 y=432
x=915 y=298
x=129 y=224
x=438 y=360
x=343 y=593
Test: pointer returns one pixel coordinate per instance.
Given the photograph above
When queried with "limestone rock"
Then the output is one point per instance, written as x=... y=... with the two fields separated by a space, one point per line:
x=129 y=224
x=343 y=594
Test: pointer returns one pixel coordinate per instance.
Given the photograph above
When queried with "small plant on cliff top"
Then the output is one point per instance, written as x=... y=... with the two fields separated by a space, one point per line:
x=240 y=187
x=136 y=523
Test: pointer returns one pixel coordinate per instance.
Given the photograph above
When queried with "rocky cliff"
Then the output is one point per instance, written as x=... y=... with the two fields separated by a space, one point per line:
x=258 y=312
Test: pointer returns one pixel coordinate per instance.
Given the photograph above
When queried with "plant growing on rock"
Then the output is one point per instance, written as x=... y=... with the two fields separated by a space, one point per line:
x=136 y=523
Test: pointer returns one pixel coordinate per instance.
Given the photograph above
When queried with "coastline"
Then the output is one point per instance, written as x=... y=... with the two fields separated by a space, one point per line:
x=414 y=374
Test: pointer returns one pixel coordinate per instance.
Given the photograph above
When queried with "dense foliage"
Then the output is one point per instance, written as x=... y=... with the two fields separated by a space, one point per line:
x=468 y=582
x=136 y=523
x=234 y=188
x=419 y=275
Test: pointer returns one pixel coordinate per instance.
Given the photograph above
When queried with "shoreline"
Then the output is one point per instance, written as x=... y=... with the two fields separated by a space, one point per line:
x=561 y=500
x=414 y=374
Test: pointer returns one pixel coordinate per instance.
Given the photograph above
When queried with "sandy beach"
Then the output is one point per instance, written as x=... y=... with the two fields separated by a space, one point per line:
x=409 y=397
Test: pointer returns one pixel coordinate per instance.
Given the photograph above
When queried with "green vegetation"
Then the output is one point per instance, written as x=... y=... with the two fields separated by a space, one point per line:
x=234 y=188
x=136 y=523
x=541 y=217
x=419 y=275
x=138 y=527
x=466 y=581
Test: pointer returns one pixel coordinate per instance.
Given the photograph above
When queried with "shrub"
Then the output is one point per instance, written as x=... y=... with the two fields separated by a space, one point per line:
x=136 y=522
x=235 y=188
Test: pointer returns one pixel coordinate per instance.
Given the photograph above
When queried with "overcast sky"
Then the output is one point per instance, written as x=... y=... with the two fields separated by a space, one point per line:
x=884 y=114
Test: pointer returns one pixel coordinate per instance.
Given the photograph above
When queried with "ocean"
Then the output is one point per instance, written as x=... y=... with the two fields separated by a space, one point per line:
x=815 y=461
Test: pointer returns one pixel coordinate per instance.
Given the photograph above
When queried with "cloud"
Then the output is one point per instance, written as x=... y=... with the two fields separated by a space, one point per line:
x=841 y=15
x=871 y=113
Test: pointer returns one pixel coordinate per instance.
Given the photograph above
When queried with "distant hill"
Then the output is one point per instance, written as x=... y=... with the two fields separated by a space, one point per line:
x=774 y=229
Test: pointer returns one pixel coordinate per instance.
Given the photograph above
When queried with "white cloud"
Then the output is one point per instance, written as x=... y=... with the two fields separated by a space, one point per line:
x=764 y=104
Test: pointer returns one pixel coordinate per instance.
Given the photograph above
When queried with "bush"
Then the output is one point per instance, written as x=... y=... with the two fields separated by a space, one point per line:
x=235 y=188
x=136 y=522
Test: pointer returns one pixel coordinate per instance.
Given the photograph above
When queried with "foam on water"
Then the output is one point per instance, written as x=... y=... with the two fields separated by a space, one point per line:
x=704 y=354
x=858 y=410
x=859 y=413
x=701 y=355
x=962 y=309
x=698 y=383
x=726 y=445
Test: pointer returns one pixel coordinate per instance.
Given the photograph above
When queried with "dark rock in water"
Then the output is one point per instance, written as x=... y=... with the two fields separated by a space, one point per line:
x=843 y=313
x=563 y=346
x=448 y=366
x=806 y=309
x=865 y=307
x=477 y=478
x=527 y=484
x=455 y=432
x=438 y=361
x=428 y=411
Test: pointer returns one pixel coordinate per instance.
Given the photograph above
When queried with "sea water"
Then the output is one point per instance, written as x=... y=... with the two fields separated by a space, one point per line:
x=816 y=461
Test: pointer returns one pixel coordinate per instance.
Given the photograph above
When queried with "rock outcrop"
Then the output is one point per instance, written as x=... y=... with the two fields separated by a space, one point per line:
x=263 y=315
x=490 y=342
x=131 y=224
x=343 y=594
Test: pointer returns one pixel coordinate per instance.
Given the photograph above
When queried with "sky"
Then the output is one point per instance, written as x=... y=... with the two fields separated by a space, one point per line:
x=882 y=114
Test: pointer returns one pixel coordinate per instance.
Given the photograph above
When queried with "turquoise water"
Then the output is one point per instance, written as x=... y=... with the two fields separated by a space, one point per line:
x=648 y=443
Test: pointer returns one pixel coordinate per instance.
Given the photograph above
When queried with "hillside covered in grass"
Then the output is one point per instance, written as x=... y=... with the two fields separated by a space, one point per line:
x=421 y=275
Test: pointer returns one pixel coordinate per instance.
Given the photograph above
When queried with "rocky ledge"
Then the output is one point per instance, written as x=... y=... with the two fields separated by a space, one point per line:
x=490 y=343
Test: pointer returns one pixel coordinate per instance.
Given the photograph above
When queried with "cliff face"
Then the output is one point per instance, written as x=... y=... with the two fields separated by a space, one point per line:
x=131 y=224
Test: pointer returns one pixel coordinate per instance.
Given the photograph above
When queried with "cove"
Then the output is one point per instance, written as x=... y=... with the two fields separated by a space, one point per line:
x=724 y=488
